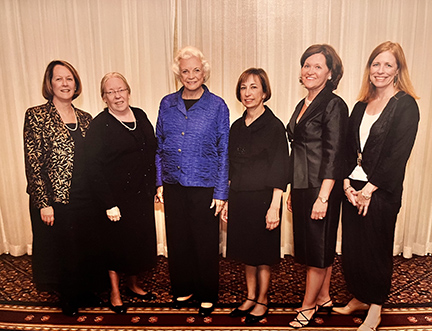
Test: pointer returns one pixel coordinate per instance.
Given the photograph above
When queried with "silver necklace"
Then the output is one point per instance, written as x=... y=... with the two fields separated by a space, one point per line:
x=121 y=122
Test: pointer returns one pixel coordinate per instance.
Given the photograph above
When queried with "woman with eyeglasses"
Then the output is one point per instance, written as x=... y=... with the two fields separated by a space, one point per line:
x=121 y=152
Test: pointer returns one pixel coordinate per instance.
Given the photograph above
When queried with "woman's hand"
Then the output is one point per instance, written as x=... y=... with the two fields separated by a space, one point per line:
x=364 y=197
x=288 y=202
x=113 y=214
x=350 y=192
x=159 y=195
x=272 y=218
x=47 y=215
x=319 y=209
x=219 y=205
x=362 y=203
x=224 y=213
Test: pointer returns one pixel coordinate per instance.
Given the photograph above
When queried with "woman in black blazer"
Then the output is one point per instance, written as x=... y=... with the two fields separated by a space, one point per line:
x=121 y=148
x=381 y=133
x=316 y=133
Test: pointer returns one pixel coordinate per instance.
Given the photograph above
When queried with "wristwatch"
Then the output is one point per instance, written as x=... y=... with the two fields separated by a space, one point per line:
x=323 y=200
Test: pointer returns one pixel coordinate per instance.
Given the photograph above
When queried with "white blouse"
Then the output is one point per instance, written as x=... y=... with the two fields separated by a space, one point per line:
x=365 y=126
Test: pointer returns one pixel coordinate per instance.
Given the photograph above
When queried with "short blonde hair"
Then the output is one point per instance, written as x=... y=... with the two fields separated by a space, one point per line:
x=186 y=53
x=402 y=80
x=112 y=75
x=47 y=89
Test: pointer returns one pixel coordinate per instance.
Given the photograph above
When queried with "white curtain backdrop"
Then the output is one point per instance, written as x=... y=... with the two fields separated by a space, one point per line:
x=139 y=38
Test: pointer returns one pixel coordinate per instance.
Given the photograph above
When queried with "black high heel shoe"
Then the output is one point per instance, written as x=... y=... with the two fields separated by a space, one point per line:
x=326 y=307
x=302 y=319
x=177 y=304
x=252 y=319
x=117 y=309
x=241 y=313
x=206 y=311
x=147 y=297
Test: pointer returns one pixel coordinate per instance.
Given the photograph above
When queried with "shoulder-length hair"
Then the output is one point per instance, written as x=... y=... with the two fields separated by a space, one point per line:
x=186 y=53
x=262 y=76
x=333 y=62
x=109 y=75
x=47 y=90
x=402 y=81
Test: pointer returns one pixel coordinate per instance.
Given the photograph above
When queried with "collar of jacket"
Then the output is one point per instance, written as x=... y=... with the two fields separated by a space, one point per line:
x=202 y=102
x=322 y=98
x=259 y=122
x=55 y=115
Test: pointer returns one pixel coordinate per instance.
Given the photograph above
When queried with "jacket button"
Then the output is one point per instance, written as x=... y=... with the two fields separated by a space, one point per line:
x=179 y=150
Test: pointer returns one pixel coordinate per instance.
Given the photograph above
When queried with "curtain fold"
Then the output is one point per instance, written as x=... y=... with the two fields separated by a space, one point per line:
x=139 y=38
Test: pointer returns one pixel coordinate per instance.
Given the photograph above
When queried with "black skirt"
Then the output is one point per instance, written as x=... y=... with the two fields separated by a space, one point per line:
x=315 y=240
x=367 y=247
x=248 y=239
x=131 y=242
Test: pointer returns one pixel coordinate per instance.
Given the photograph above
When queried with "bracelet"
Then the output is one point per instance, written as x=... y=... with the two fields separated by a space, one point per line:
x=347 y=188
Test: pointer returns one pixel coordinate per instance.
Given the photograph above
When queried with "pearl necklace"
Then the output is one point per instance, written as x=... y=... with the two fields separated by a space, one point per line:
x=122 y=123
x=69 y=128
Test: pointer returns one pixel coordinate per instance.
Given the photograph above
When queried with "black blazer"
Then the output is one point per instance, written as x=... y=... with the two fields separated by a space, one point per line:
x=389 y=144
x=318 y=141
x=121 y=163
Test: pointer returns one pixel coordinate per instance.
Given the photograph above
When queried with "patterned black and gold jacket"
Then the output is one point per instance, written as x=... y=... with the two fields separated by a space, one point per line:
x=49 y=154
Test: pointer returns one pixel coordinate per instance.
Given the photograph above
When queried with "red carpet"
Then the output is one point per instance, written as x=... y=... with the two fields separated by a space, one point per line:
x=22 y=307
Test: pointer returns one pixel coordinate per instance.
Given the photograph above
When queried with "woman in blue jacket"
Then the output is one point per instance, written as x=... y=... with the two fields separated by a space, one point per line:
x=192 y=179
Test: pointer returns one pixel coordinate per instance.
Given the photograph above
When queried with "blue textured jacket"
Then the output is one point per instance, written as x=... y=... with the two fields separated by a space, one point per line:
x=193 y=144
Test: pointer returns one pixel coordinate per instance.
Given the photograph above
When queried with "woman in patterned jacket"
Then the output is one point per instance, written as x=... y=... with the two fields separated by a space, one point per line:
x=60 y=205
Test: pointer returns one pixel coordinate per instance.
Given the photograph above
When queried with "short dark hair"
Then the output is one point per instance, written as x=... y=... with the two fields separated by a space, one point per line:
x=262 y=75
x=47 y=90
x=333 y=62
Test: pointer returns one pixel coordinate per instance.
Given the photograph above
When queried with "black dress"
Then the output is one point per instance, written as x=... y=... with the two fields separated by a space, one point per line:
x=122 y=173
x=72 y=243
x=317 y=153
x=367 y=241
x=258 y=163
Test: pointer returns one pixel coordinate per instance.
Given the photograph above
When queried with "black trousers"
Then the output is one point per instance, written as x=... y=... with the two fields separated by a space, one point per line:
x=193 y=242
x=367 y=246
x=66 y=256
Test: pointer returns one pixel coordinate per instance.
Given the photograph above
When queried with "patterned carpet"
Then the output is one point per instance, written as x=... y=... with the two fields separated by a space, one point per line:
x=22 y=307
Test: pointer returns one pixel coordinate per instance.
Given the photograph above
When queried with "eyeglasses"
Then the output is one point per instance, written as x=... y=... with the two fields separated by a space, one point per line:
x=113 y=93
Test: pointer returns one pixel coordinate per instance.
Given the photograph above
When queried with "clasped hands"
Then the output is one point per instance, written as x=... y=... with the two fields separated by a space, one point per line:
x=358 y=199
